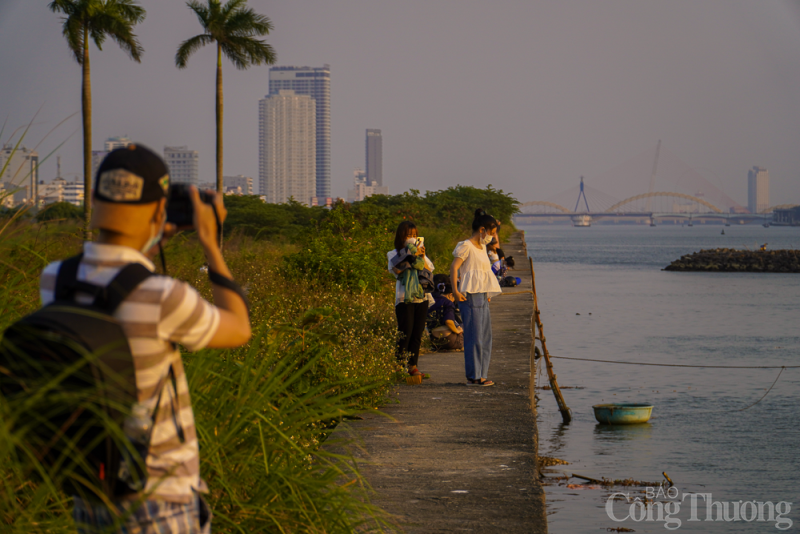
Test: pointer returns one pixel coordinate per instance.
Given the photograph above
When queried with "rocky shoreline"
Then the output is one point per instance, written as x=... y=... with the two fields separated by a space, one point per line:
x=744 y=261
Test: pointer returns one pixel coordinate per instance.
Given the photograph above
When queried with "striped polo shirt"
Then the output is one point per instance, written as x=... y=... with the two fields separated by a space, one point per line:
x=160 y=313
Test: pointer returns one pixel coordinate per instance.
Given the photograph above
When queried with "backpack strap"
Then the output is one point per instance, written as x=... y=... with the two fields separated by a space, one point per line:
x=127 y=279
x=109 y=297
x=67 y=278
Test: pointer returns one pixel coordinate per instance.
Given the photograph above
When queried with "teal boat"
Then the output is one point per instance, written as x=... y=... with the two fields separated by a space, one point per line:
x=622 y=414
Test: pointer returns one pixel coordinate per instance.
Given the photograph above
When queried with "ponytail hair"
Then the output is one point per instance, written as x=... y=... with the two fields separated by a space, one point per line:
x=483 y=220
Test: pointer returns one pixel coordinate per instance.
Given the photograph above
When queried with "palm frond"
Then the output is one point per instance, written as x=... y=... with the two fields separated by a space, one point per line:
x=73 y=32
x=253 y=51
x=232 y=6
x=109 y=18
x=189 y=47
x=127 y=10
x=201 y=11
x=62 y=6
x=247 y=23
x=97 y=35
x=120 y=30
x=236 y=54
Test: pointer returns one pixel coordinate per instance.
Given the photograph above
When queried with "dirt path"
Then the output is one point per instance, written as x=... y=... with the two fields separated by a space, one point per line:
x=463 y=459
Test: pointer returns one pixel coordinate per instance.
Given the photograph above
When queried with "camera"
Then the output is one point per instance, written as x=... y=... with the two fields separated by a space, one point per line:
x=180 y=211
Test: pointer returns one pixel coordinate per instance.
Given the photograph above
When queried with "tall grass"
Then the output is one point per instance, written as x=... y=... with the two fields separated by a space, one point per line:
x=265 y=413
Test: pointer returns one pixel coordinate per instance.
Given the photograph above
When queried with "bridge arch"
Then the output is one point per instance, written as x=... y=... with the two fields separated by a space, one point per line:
x=613 y=208
x=779 y=207
x=546 y=204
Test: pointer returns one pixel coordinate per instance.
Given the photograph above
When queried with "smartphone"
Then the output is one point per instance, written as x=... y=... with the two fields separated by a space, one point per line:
x=420 y=242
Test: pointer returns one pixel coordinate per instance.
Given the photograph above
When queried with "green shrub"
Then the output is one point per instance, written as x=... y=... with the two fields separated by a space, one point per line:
x=60 y=211
x=343 y=251
x=251 y=216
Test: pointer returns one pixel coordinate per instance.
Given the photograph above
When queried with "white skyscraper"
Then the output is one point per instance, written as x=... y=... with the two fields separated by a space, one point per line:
x=182 y=164
x=757 y=190
x=316 y=83
x=287 y=156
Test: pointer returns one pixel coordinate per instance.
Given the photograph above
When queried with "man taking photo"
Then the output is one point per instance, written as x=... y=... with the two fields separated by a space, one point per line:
x=130 y=201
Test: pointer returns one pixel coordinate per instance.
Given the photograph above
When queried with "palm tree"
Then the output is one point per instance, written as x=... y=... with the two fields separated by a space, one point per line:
x=233 y=27
x=86 y=20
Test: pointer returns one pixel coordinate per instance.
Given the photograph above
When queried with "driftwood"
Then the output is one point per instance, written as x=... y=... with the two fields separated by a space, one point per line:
x=617 y=482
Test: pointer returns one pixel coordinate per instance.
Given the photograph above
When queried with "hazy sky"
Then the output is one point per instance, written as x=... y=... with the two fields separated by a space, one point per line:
x=526 y=95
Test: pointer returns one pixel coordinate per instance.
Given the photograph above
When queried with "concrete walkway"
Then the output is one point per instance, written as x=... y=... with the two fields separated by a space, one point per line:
x=463 y=459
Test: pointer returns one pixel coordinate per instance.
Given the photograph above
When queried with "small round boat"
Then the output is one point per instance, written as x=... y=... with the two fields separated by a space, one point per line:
x=622 y=414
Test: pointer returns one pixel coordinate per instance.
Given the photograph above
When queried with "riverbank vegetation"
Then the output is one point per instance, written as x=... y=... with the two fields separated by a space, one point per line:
x=268 y=414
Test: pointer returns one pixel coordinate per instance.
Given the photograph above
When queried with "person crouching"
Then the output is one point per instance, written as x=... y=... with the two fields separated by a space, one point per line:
x=443 y=318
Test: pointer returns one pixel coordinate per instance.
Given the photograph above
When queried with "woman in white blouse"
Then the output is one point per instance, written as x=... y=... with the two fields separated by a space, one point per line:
x=411 y=311
x=475 y=288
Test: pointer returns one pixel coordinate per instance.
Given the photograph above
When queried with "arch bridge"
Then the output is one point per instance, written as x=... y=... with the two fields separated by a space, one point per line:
x=615 y=207
x=545 y=204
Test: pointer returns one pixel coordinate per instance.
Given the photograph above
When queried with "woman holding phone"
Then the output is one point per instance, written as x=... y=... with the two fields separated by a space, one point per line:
x=410 y=302
x=475 y=287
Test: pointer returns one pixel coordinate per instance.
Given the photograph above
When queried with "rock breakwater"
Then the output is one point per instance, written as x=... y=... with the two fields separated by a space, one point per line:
x=732 y=260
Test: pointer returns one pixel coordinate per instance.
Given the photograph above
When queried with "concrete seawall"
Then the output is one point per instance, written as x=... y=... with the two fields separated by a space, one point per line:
x=463 y=459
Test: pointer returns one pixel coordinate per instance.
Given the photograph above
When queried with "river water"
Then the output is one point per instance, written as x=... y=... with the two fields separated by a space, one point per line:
x=603 y=295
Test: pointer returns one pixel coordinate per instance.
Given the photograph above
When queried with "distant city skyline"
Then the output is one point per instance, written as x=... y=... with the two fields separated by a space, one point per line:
x=544 y=93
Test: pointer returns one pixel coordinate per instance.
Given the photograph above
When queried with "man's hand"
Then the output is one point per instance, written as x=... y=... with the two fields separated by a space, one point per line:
x=234 y=321
x=205 y=223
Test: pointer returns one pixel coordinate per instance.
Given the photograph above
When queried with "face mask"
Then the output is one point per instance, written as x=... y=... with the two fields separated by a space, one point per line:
x=153 y=241
x=411 y=241
x=486 y=239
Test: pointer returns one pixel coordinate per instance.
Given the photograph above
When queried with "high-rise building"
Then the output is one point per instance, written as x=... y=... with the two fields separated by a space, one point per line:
x=20 y=172
x=182 y=164
x=316 y=83
x=244 y=183
x=374 y=157
x=363 y=187
x=52 y=192
x=112 y=143
x=73 y=193
x=757 y=190
x=287 y=155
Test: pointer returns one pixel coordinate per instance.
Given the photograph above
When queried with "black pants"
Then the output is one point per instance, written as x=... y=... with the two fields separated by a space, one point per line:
x=411 y=323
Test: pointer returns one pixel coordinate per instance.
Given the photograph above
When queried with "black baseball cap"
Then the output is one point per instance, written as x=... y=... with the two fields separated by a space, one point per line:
x=132 y=175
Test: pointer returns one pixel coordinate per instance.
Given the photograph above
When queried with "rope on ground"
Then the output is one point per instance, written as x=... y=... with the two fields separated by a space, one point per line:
x=683 y=365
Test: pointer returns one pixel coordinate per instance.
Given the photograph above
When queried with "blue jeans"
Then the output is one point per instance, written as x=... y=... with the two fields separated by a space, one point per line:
x=477 y=335
x=152 y=516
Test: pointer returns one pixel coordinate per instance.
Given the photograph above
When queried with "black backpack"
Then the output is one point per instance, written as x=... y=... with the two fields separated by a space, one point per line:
x=67 y=373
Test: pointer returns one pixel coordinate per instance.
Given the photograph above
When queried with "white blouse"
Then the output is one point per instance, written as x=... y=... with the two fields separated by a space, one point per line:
x=400 y=289
x=475 y=274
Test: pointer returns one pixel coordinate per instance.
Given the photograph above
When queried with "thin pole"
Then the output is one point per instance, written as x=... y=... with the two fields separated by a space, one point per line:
x=536 y=321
